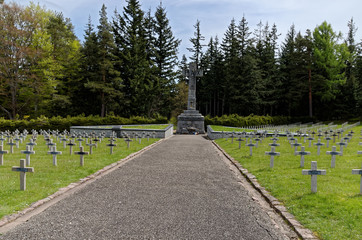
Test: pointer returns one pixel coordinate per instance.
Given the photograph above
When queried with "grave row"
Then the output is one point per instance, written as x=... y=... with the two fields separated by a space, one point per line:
x=344 y=140
x=14 y=139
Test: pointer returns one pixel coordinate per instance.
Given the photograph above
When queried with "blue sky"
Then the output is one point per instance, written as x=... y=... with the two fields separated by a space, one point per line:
x=215 y=15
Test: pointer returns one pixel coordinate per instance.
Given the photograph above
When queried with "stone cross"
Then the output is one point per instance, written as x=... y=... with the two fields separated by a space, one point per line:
x=302 y=153
x=327 y=139
x=334 y=153
x=334 y=137
x=81 y=153
x=80 y=140
x=310 y=139
x=23 y=170
x=358 y=172
x=51 y=144
x=64 y=140
x=71 y=144
x=192 y=73
x=111 y=145
x=54 y=152
x=31 y=144
x=2 y=152
x=28 y=151
x=257 y=140
x=91 y=145
x=319 y=144
x=296 y=145
x=128 y=140
x=17 y=140
x=239 y=140
x=272 y=153
x=11 y=144
x=96 y=140
x=251 y=145
x=341 y=144
x=314 y=172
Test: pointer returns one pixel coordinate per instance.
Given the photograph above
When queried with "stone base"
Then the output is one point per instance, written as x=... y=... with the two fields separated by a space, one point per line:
x=190 y=122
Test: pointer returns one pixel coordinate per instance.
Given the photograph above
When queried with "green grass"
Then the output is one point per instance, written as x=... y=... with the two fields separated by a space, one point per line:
x=47 y=178
x=148 y=127
x=335 y=211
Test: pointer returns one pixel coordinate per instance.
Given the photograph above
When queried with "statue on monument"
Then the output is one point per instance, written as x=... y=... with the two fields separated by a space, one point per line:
x=191 y=121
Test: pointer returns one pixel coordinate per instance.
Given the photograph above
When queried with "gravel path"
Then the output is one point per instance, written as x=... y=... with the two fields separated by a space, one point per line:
x=180 y=189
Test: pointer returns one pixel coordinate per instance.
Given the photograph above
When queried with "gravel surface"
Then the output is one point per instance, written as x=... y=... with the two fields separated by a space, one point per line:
x=180 y=189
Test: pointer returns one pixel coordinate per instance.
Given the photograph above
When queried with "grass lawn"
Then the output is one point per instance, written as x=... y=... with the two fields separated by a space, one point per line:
x=335 y=211
x=47 y=178
x=149 y=127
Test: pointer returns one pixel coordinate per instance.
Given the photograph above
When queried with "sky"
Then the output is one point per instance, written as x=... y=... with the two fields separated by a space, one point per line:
x=216 y=15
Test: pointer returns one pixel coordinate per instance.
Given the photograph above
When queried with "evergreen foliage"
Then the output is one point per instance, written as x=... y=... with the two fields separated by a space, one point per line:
x=128 y=66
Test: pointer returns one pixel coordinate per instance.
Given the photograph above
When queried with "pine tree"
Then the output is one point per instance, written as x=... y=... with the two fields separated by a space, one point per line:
x=165 y=47
x=134 y=66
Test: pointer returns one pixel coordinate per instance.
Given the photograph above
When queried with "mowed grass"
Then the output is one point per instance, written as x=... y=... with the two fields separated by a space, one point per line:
x=47 y=179
x=148 y=127
x=335 y=211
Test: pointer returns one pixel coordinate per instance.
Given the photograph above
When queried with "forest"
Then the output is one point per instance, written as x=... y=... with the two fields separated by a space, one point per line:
x=128 y=65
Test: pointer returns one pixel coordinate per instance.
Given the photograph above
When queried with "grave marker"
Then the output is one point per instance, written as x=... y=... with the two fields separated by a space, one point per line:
x=2 y=152
x=310 y=139
x=239 y=140
x=272 y=153
x=23 y=170
x=11 y=144
x=27 y=156
x=51 y=144
x=327 y=138
x=358 y=172
x=31 y=144
x=128 y=140
x=81 y=153
x=71 y=144
x=341 y=144
x=319 y=144
x=334 y=153
x=251 y=145
x=302 y=153
x=296 y=145
x=314 y=172
x=54 y=152
x=91 y=145
x=111 y=145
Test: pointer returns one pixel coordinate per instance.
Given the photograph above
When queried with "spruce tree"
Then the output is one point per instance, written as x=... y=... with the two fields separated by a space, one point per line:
x=133 y=64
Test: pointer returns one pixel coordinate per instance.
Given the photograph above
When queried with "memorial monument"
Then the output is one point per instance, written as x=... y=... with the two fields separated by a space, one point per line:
x=191 y=121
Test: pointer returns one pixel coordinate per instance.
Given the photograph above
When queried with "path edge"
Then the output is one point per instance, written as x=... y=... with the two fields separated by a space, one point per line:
x=72 y=186
x=299 y=229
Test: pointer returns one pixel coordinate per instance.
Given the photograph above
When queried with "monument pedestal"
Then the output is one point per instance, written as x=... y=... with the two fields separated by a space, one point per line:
x=190 y=122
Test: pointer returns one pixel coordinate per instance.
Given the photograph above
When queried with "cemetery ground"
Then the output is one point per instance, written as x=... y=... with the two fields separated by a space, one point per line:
x=335 y=210
x=47 y=178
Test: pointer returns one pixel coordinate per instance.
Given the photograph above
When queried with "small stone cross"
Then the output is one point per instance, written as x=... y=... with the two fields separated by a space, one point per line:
x=31 y=144
x=64 y=140
x=358 y=172
x=81 y=153
x=128 y=140
x=314 y=172
x=341 y=144
x=319 y=144
x=54 y=152
x=296 y=145
x=51 y=144
x=239 y=140
x=251 y=145
x=71 y=144
x=334 y=153
x=28 y=151
x=272 y=153
x=91 y=145
x=310 y=139
x=80 y=140
x=2 y=152
x=23 y=170
x=302 y=153
x=111 y=145
x=11 y=144
x=327 y=138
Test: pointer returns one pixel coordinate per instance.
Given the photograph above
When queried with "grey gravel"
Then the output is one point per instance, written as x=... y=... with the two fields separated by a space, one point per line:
x=180 y=189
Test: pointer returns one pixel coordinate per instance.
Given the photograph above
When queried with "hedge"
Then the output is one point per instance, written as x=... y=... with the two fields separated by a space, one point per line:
x=235 y=120
x=61 y=124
